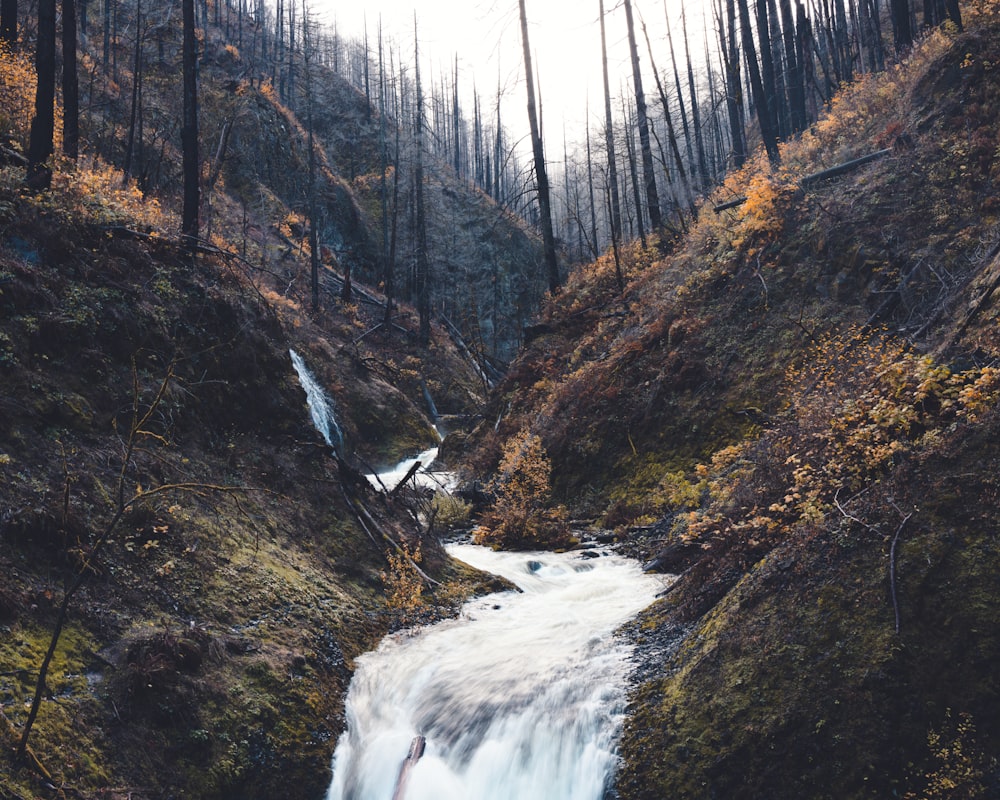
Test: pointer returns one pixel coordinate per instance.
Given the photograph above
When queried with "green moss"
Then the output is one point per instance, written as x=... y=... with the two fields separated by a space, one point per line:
x=70 y=707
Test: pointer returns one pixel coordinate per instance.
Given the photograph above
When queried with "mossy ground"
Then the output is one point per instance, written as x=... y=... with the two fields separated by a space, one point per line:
x=208 y=652
x=677 y=413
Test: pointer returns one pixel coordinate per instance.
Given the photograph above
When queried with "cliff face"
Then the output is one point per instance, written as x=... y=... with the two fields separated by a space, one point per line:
x=794 y=408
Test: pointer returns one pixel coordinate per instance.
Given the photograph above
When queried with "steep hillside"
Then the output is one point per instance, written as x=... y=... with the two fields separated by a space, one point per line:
x=794 y=408
x=156 y=452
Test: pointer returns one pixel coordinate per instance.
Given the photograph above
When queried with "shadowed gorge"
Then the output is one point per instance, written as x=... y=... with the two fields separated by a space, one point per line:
x=736 y=440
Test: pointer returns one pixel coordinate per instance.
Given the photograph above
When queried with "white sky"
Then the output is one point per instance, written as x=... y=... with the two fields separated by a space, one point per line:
x=565 y=40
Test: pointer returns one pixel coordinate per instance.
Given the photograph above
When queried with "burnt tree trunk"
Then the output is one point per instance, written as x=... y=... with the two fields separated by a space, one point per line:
x=70 y=82
x=541 y=177
x=189 y=128
x=40 y=147
x=8 y=22
x=646 y=152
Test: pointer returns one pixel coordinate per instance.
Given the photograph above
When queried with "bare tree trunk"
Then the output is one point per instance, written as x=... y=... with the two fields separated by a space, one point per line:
x=782 y=115
x=734 y=84
x=767 y=131
x=633 y=171
x=498 y=148
x=70 y=83
x=307 y=54
x=767 y=101
x=688 y=143
x=421 y=281
x=671 y=136
x=954 y=13
x=136 y=110
x=902 y=31
x=8 y=22
x=390 y=267
x=609 y=137
x=569 y=216
x=368 y=88
x=793 y=66
x=456 y=122
x=699 y=139
x=594 y=248
x=541 y=177
x=383 y=159
x=189 y=131
x=106 y=44
x=841 y=40
x=40 y=142
x=649 y=176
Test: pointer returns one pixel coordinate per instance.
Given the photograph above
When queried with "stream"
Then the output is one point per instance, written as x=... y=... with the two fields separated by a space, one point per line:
x=522 y=696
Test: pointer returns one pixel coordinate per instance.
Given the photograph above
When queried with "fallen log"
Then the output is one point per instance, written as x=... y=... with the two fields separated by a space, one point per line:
x=816 y=177
x=841 y=169
x=412 y=757
x=731 y=204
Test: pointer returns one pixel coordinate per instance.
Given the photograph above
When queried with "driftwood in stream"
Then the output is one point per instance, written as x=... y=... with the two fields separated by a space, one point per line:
x=816 y=177
x=349 y=479
x=412 y=757
x=409 y=474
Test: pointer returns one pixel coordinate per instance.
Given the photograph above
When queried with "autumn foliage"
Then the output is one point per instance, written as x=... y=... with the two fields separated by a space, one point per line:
x=521 y=517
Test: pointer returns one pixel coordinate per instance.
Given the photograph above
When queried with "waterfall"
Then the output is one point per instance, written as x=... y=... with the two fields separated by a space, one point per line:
x=321 y=407
x=521 y=698
x=423 y=477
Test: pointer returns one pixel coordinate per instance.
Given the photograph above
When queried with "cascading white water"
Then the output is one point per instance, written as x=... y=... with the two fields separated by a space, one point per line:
x=422 y=477
x=520 y=698
x=320 y=405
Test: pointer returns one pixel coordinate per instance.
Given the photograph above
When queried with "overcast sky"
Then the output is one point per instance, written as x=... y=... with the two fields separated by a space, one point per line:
x=485 y=34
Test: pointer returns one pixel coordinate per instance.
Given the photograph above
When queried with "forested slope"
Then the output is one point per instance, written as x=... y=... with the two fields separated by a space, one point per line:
x=221 y=567
x=794 y=408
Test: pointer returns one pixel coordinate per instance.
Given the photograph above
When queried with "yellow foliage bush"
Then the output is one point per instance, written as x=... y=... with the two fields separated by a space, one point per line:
x=403 y=584
x=520 y=517
x=859 y=403
x=17 y=96
x=960 y=765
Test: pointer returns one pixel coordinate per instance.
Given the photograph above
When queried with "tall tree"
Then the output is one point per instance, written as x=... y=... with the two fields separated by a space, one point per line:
x=8 y=22
x=767 y=98
x=189 y=127
x=648 y=175
x=541 y=176
x=634 y=172
x=901 y=28
x=793 y=69
x=40 y=142
x=135 y=115
x=609 y=140
x=767 y=130
x=594 y=250
x=388 y=242
x=106 y=48
x=307 y=56
x=70 y=82
x=734 y=84
x=671 y=133
x=681 y=107
x=456 y=122
x=699 y=138
x=422 y=278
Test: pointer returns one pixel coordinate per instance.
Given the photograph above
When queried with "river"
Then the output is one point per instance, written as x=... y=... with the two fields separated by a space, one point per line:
x=521 y=697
